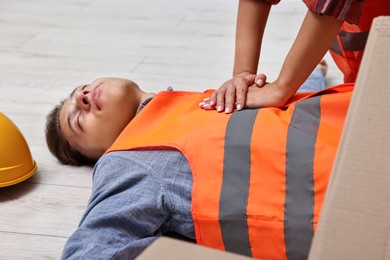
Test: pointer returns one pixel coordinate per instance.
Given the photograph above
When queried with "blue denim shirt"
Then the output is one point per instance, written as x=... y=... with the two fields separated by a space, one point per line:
x=136 y=197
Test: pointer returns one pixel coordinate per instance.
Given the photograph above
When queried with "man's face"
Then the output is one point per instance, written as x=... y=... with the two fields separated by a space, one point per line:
x=95 y=114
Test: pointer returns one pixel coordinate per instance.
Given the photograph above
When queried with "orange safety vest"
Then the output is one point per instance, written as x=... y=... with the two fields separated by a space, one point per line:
x=259 y=175
x=348 y=48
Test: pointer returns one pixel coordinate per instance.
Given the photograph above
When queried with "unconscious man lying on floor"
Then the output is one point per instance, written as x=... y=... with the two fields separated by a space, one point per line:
x=250 y=182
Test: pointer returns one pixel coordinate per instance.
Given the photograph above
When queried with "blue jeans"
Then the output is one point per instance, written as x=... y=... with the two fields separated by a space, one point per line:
x=314 y=82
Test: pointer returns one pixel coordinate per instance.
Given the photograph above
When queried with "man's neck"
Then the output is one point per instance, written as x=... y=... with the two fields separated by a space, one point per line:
x=146 y=97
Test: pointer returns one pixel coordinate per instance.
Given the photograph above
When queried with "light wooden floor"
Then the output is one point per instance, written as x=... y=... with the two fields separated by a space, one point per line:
x=47 y=47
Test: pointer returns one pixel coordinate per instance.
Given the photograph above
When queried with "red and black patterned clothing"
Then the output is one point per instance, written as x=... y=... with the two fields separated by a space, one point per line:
x=345 y=10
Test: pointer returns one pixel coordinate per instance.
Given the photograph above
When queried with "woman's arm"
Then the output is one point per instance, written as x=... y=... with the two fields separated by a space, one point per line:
x=313 y=41
x=251 y=21
x=315 y=37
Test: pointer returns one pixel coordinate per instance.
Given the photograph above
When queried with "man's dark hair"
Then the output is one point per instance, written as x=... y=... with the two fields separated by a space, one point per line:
x=57 y=143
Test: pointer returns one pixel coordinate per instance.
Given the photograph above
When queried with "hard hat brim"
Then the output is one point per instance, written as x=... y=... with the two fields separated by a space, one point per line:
x=21 y=178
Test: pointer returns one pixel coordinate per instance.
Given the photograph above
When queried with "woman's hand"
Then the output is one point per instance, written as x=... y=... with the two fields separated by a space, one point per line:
x=270 y=95
x=233 y=93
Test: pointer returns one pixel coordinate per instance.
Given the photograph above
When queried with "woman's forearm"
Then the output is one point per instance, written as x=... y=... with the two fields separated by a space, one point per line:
x=251 y=20
x=313 y=41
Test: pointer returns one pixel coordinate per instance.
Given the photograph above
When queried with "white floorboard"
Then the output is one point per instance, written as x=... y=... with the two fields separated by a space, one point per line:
x=48 y=47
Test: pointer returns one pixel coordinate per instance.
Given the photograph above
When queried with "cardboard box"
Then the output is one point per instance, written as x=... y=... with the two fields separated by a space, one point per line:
x=169 y=248
x=355 y=217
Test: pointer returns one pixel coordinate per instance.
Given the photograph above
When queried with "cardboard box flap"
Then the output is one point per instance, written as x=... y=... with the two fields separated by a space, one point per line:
x=355 y=217
x=167 y=248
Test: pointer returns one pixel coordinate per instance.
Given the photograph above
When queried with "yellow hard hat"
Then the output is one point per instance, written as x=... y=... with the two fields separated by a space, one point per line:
x=16 y=163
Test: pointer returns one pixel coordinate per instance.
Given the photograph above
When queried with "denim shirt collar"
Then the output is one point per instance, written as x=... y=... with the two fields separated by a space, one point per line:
x=146 y=101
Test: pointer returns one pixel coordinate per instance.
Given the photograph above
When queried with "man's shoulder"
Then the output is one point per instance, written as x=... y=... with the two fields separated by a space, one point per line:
x=118 y=160
x=127 y=166
x=122 y=167
x=139 y=155
x=137 y=160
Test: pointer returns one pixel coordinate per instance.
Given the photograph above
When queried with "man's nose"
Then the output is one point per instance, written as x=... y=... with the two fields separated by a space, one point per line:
x=82 y=99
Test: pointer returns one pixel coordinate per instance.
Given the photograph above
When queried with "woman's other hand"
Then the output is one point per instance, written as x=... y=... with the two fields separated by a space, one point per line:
x=233 y=93
x=270 y=95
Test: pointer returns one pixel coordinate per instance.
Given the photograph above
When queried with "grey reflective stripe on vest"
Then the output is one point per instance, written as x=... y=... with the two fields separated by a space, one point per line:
x=235 y=182
x=350 y=42
x=299 y=201
x=336 y=48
